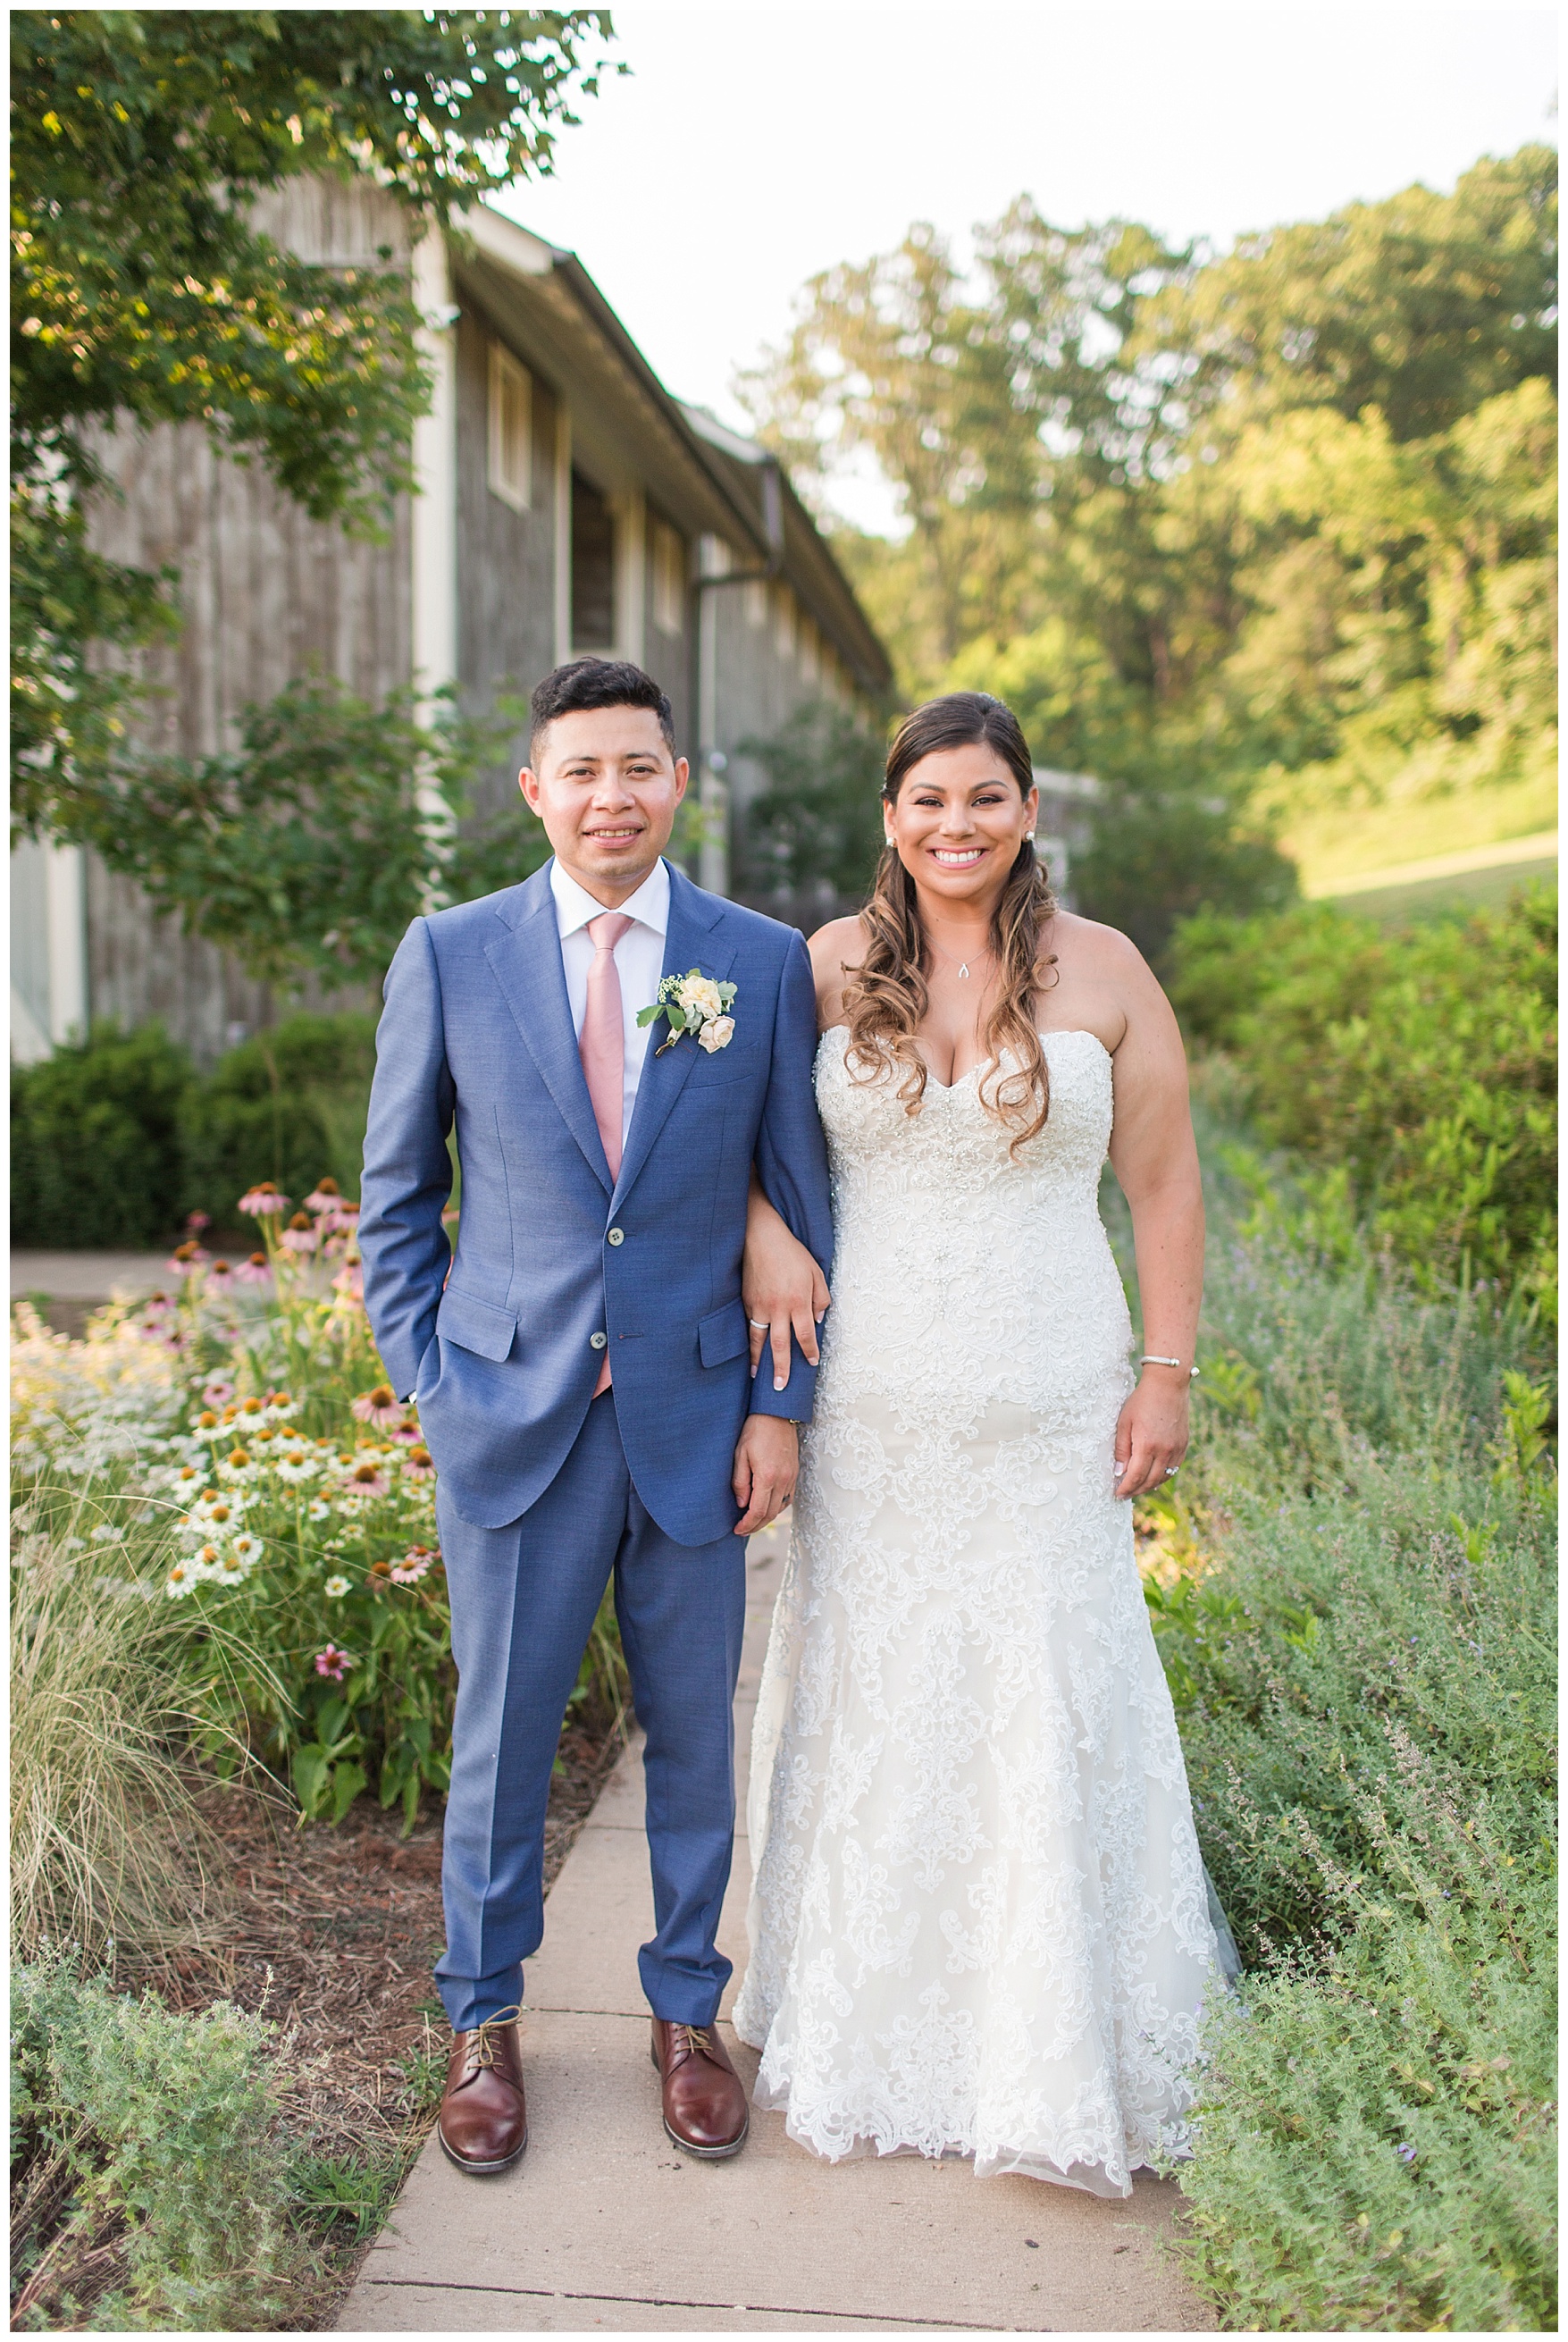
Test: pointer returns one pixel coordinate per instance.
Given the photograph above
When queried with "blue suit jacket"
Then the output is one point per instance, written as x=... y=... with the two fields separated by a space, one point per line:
x=477 y=1032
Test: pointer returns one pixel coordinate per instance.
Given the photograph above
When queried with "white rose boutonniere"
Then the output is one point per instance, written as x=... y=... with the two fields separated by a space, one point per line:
x=694 y=1004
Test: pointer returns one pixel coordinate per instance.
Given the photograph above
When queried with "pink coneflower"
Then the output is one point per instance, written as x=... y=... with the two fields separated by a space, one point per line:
x=299 y=1235
x=415 y=1562
x=332 y=1662
x=186 y=1258
x=378 y=1406
x=419 y=1464
x=217 y=1391
x=158 y=1305
x=256 y=1270
x=350 y=1282
x=407 y=1432
x=323 y=1197
x=263 y=1200
x=365 y=1479
x=218 y=1274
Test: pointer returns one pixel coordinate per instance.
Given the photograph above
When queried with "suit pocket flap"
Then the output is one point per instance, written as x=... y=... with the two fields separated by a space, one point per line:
x=475 y=1325
x=721 y=1335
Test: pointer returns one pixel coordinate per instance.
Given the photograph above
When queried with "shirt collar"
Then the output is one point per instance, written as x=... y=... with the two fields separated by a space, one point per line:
x=650 y=905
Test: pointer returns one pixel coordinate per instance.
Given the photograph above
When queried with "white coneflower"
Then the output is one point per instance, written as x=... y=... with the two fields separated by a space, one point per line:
x=319 y=1509
x=279 y=1405
x=335 y=1587
x=184 y=1578
x=294 y=1465
x=246 y=1548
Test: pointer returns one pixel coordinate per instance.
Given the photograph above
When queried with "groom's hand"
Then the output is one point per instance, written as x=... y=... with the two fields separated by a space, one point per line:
x=767 y=1458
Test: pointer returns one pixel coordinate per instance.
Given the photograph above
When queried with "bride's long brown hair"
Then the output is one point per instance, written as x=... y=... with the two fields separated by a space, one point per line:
x=886 y=998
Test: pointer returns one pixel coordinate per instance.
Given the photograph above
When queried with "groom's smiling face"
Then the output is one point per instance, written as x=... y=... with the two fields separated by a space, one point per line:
x=605 y=787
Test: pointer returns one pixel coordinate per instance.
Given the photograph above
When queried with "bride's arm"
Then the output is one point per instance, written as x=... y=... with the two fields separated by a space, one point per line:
x=1156 y=1159
x=782 y=1286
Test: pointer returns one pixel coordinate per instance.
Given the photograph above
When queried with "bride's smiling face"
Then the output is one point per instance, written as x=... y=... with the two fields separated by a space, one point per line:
x=957 y=823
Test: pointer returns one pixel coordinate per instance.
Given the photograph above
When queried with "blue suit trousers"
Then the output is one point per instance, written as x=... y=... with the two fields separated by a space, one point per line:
x=523 y=1598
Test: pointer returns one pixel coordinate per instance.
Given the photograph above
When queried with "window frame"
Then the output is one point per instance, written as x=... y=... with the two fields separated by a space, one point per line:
x=507 y=374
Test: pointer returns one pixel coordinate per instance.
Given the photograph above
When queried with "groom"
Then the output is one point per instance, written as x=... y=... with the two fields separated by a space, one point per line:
x=582 y=1364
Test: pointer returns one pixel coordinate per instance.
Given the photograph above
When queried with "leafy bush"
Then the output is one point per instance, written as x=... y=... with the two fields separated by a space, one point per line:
x=285 y=1105
x=151 y=2137
x=95 y=1142
x=114 y=1139
x=1353 y=1603
x=819 y=819
x=1416 y=1072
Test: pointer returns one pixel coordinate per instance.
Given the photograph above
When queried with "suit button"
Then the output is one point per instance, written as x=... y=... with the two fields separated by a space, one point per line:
x=597 y=1341
x=616 y=1235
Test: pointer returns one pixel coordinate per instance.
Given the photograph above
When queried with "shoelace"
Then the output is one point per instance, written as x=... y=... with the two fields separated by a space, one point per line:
x=698 y=2037
x=486 y=2039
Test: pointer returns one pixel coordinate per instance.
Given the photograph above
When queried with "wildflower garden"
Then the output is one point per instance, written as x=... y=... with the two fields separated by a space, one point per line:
x=226 y=1574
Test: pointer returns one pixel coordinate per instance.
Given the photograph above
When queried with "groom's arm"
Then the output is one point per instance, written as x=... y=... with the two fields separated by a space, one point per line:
x=407 y=1175
x=791 y=1164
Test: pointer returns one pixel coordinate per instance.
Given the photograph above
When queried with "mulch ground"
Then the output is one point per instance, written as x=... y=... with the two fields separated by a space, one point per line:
x=331 y=1933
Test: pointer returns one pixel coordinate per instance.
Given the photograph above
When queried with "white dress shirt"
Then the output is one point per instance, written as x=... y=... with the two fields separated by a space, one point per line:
x=639 y=961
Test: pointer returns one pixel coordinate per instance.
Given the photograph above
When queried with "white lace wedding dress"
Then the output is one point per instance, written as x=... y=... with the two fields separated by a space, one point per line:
x=979 y=1923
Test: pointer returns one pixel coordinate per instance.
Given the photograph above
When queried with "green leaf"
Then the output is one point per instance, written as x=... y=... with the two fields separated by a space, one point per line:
x=310 y=1778
x=347 y=1781
x=677 y=1017
x=647 y=1016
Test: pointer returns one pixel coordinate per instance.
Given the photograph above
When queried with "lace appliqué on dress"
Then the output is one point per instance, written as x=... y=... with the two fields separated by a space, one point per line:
x=979 y=1922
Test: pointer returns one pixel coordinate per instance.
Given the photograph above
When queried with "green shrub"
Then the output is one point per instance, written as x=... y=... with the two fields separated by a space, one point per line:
x=95 y=1141
x=1415 y=1073
x=114 y=1139
x=1359 y=1641
x=160 y=2130
x=285 y=1105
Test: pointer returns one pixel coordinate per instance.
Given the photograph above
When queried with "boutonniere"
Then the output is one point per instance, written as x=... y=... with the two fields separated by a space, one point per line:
x=694 y=1004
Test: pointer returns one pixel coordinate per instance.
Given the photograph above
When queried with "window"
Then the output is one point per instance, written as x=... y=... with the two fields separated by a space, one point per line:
x=784 y=622
x=593 y=568
x=511 y=430
x=669 y=581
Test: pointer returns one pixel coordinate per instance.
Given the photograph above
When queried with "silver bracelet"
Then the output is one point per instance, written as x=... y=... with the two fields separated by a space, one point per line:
x=1149 y=1359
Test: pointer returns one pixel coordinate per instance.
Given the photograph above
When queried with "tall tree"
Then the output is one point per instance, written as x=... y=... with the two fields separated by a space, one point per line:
x=142 y=292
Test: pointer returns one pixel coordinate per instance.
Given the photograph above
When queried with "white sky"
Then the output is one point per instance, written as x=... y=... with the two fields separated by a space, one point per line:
x=752 y=146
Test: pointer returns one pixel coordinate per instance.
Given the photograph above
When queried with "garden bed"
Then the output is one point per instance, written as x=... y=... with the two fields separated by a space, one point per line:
x=329 y=1934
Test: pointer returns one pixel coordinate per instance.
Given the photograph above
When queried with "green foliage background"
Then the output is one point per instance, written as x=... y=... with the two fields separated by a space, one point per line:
x=1264 y=539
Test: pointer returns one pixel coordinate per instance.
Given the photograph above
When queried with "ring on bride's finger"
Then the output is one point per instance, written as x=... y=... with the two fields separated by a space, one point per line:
x=762 y=1323
x=1171 y=1470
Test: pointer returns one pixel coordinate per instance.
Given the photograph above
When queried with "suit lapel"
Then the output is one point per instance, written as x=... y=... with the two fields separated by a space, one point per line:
x=688 y=943
x=527 y=965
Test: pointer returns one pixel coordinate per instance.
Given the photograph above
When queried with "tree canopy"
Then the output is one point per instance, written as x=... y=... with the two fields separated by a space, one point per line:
x=1254 y=537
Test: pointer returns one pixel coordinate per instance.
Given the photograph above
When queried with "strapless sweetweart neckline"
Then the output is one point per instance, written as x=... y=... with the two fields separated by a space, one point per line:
x=979 y=1922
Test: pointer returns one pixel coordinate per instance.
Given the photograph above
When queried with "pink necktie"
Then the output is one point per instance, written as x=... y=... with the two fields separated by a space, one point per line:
x=603 y=1045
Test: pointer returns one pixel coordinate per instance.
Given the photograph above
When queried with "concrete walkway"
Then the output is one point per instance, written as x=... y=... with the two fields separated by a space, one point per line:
x=605 y=2226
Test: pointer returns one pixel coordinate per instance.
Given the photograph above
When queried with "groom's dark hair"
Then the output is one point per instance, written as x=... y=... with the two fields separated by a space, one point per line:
x=596 y=683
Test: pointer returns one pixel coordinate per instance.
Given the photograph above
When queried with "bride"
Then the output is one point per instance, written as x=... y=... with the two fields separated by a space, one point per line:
x=979 y=1921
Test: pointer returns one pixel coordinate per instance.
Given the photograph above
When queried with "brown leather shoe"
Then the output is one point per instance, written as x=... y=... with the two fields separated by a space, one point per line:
x=484 y=2120
x=705 y=2110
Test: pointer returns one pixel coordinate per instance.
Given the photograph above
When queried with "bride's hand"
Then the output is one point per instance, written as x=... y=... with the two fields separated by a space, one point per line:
x=1152 y=1433
x=782 y=1286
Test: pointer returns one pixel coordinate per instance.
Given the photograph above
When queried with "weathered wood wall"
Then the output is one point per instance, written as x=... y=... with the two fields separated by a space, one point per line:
x=266 y=595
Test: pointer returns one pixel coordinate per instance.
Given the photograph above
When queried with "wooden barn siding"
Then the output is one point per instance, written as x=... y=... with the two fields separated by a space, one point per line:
x=266 y=595
x=505 y=558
